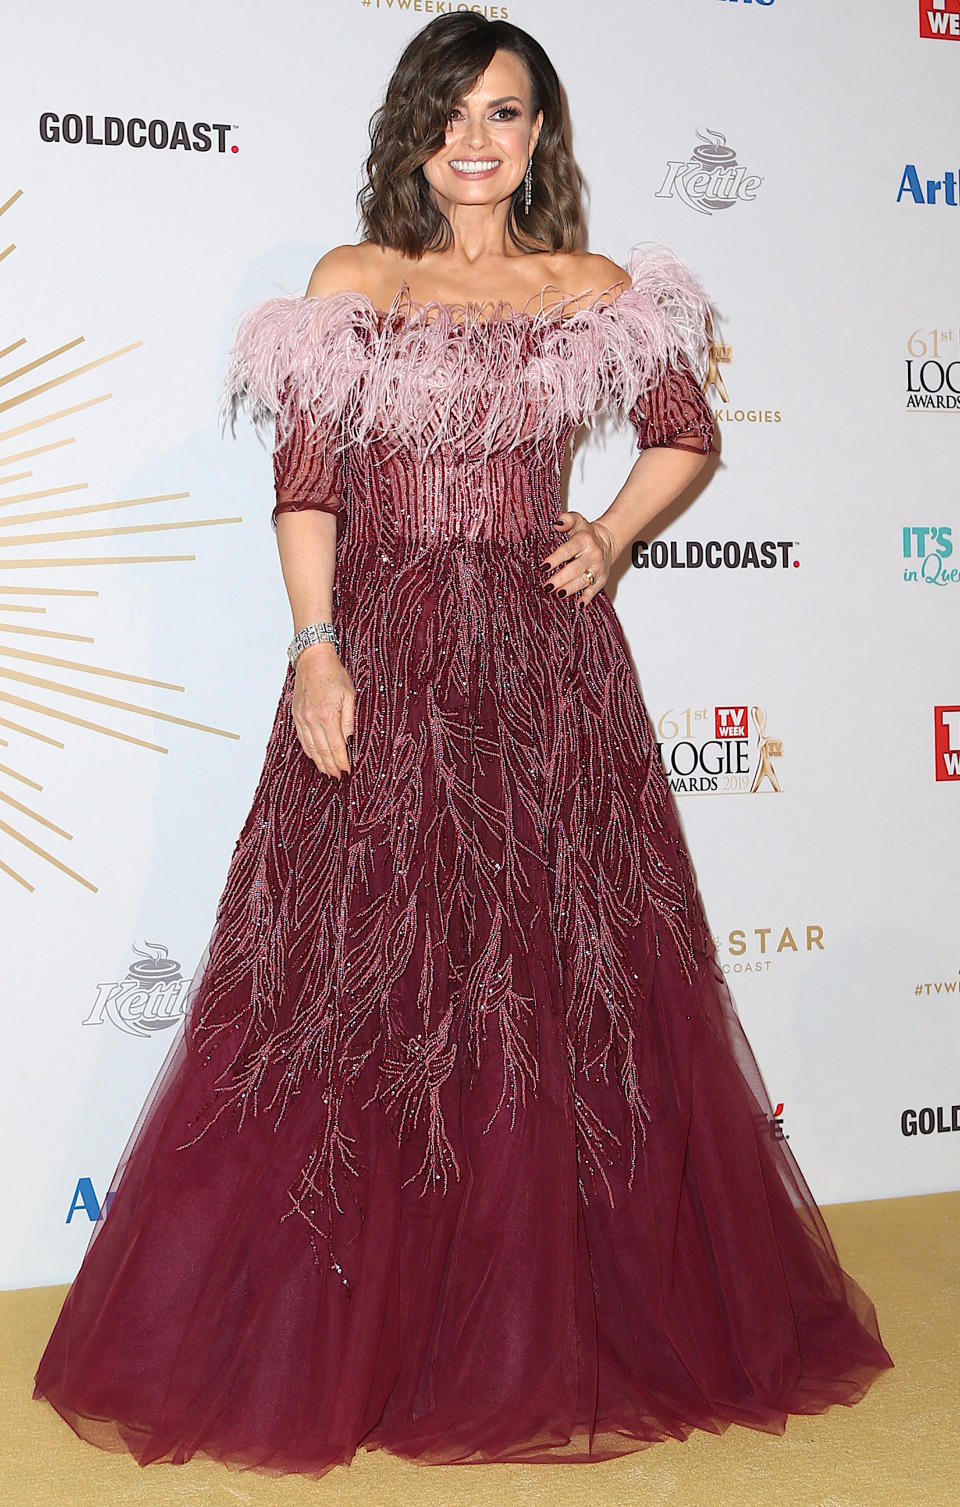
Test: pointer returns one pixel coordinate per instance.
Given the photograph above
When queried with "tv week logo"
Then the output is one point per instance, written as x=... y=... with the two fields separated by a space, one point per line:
x=946 y=732
x=940 y=20
x=730 y=722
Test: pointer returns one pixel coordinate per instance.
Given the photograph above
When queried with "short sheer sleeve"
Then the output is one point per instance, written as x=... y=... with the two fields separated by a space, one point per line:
x=674 y=413
x=307 y=466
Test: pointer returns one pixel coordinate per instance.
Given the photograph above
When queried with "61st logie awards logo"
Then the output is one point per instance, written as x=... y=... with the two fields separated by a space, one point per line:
x=723 y=750
x=933 y=371
x=47 y=694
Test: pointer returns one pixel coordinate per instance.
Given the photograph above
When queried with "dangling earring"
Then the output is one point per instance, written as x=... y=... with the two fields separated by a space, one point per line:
x=527 y=185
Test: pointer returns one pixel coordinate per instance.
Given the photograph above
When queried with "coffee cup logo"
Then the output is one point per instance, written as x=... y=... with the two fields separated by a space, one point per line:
x=151 y=998
x=711 y=178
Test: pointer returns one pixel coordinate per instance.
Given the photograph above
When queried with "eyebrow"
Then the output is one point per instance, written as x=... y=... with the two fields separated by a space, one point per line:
x=503 y=100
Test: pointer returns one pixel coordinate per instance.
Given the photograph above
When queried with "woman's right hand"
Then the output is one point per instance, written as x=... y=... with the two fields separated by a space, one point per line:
x=323 y=707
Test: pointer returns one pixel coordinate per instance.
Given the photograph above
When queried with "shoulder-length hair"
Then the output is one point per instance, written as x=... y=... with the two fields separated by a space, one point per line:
x=437 y=68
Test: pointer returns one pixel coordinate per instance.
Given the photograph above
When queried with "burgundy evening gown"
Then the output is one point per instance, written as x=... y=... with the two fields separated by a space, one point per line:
x=462 y=1151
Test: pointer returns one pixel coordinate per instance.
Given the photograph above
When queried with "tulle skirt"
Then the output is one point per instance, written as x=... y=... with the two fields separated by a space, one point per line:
x=461 y=1150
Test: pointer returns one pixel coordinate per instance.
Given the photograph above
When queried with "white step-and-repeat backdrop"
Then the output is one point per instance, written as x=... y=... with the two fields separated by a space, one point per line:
x=795 y=623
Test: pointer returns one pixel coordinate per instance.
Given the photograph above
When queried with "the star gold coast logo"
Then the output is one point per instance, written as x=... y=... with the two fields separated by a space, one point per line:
x=38 y=706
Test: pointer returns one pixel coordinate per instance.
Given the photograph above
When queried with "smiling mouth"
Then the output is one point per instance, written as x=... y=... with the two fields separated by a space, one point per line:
x=480 y=167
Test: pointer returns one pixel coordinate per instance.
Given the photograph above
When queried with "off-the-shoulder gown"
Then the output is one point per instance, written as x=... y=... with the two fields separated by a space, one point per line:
x=462 y=1151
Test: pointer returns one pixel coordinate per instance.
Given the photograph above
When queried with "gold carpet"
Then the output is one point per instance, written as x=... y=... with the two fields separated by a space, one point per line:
x=898 y=1447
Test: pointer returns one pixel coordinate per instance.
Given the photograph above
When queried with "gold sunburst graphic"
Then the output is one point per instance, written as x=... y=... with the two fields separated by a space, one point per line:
x=31 y=654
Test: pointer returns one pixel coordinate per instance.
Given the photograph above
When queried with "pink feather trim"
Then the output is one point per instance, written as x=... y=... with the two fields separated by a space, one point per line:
x=434 y=374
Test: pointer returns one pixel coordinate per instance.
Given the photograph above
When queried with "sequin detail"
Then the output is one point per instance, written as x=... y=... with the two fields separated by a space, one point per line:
x=497 y=872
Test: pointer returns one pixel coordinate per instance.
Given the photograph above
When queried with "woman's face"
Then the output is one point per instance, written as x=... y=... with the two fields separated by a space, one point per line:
x=490 y=136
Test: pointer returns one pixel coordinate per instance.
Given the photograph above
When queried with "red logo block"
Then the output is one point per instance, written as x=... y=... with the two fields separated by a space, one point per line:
x=940 y=20
x=731 y=722
x=946 y=736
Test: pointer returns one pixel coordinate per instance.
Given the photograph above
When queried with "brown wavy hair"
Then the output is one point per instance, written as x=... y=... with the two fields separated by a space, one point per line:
x=437 y=68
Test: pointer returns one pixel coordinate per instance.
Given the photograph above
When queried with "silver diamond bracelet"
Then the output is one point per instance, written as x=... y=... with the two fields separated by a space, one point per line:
x=313 y=633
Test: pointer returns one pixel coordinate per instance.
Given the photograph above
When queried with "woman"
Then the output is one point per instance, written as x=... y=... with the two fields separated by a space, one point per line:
x=460 y=1015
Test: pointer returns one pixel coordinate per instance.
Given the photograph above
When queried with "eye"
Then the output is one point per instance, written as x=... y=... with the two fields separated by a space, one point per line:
x=510 y=111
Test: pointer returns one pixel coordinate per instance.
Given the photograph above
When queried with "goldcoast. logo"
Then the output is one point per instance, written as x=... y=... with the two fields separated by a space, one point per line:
x=151 y=998
x=114 y=131
x=732 y=554
x=710 y=178
x=930 y=1120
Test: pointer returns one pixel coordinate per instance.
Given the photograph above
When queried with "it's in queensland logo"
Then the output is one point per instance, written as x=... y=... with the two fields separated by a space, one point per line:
x=928 y=555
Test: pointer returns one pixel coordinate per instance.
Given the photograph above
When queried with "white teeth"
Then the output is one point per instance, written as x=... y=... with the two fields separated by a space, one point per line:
x=475 y=167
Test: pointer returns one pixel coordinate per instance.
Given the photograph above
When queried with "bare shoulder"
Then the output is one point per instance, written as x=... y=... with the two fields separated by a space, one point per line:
x=589 y=276
x=591 y=273
x=342 y=269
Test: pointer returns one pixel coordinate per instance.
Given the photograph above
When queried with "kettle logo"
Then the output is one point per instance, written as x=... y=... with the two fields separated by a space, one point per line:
x=710 y=178
x=940 y=20
x=946 y=733
x=150 y=999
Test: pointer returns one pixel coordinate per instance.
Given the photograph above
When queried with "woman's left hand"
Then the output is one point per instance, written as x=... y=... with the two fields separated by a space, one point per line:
x=586 y=547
